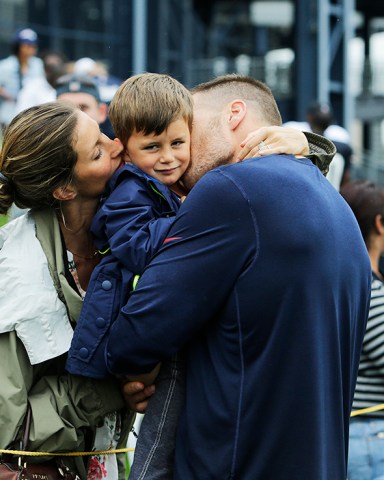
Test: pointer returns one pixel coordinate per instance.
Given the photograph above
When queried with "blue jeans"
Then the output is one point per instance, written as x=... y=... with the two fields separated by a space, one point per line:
x=154 y=452
x=366 y=449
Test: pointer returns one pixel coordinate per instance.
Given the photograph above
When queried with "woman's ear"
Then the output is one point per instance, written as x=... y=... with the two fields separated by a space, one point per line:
x=237 y=110
x=64 y=193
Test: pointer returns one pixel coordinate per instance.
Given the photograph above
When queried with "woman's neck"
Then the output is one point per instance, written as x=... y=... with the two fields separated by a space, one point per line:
x=75 y=222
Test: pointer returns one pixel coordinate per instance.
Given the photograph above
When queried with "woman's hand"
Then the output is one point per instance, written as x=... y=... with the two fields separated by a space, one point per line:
x=272 y=141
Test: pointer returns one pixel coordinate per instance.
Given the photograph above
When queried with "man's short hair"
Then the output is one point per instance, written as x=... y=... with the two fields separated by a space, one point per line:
x=73 y=83
x=226 y=88
x=149 y=103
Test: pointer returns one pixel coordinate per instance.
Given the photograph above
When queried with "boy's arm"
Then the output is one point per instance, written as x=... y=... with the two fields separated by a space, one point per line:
x=136 y=223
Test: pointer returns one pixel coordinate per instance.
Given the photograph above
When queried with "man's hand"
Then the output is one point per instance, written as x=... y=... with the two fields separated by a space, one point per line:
x=136 y=395
x=272 y=141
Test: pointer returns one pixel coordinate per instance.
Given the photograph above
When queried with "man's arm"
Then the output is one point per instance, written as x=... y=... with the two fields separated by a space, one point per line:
x=188 y=281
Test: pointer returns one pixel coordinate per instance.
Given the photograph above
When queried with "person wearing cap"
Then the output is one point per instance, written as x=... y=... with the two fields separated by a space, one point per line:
x=41 y=90
x=16 y=70
x=83 y=92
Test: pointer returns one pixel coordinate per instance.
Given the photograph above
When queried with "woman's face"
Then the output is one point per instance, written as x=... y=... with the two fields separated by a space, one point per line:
x=98 y=157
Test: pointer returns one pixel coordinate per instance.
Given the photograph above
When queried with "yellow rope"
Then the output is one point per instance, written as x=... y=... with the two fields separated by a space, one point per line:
x=368 y=410
x=125 y=450
x=66 y=454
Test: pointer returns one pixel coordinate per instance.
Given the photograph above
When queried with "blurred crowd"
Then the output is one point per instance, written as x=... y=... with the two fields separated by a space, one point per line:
x=29 y=77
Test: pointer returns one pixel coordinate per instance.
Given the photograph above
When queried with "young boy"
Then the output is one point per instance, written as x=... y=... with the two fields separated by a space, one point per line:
x=151 y=115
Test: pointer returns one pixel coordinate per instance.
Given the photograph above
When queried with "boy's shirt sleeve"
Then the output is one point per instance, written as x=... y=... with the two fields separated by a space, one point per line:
x=133 y=223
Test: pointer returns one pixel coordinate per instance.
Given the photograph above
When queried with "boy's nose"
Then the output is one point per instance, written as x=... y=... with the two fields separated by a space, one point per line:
x=166 y=156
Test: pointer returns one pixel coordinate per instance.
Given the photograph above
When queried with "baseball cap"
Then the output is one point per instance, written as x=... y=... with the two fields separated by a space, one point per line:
x=77 y=84
x=25 y=35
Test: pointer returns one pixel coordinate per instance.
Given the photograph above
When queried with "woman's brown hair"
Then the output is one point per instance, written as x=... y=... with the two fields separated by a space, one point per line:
x=37 y=155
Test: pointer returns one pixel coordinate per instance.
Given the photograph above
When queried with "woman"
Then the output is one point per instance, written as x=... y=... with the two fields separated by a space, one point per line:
x=55 y=162
x=366 y=442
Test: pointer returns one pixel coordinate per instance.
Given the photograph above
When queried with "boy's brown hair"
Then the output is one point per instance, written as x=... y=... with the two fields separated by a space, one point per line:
x=149 y=103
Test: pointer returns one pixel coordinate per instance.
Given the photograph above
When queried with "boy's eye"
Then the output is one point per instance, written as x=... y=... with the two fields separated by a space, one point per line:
x=151 y=147
x=178 y=142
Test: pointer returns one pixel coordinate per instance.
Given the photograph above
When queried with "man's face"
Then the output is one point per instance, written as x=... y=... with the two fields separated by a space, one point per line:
x=85 y=102
x=211 y=144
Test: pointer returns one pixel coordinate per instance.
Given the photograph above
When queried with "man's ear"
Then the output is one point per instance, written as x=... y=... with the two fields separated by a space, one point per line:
x=64 y=193
x=237 y=110
x=379 y=224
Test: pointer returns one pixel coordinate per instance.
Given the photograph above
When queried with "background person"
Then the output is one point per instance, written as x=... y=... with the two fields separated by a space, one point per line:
x=366 y=442
x=249 y=282
x=15 y=70
x=55 y=162
x=42 y=89
x=83 y=92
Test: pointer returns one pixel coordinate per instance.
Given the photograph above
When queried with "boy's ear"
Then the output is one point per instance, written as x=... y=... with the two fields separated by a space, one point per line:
x=237 y=110
x=64 y=193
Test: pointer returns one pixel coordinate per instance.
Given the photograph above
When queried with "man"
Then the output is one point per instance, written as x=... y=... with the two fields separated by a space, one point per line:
x=83 y=92
x=255 y=282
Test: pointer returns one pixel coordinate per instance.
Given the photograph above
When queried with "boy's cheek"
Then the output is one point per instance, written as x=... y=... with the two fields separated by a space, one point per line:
x=126 y=157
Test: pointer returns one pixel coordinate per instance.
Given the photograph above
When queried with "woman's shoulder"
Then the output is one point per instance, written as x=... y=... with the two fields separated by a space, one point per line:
x=29 y=301
x=16 y=230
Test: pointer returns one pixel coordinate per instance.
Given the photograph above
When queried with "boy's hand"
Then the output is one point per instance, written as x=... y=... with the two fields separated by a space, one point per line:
x=136 y=395
x=272 y=141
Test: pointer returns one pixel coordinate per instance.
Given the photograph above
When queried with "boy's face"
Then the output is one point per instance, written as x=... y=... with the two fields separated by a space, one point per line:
x=165 y=156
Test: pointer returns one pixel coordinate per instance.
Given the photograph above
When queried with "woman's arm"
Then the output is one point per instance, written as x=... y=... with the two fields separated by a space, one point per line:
x=276 y=140
x=65 y=408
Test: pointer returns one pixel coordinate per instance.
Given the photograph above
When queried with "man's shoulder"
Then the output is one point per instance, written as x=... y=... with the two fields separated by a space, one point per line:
x=255 y=173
